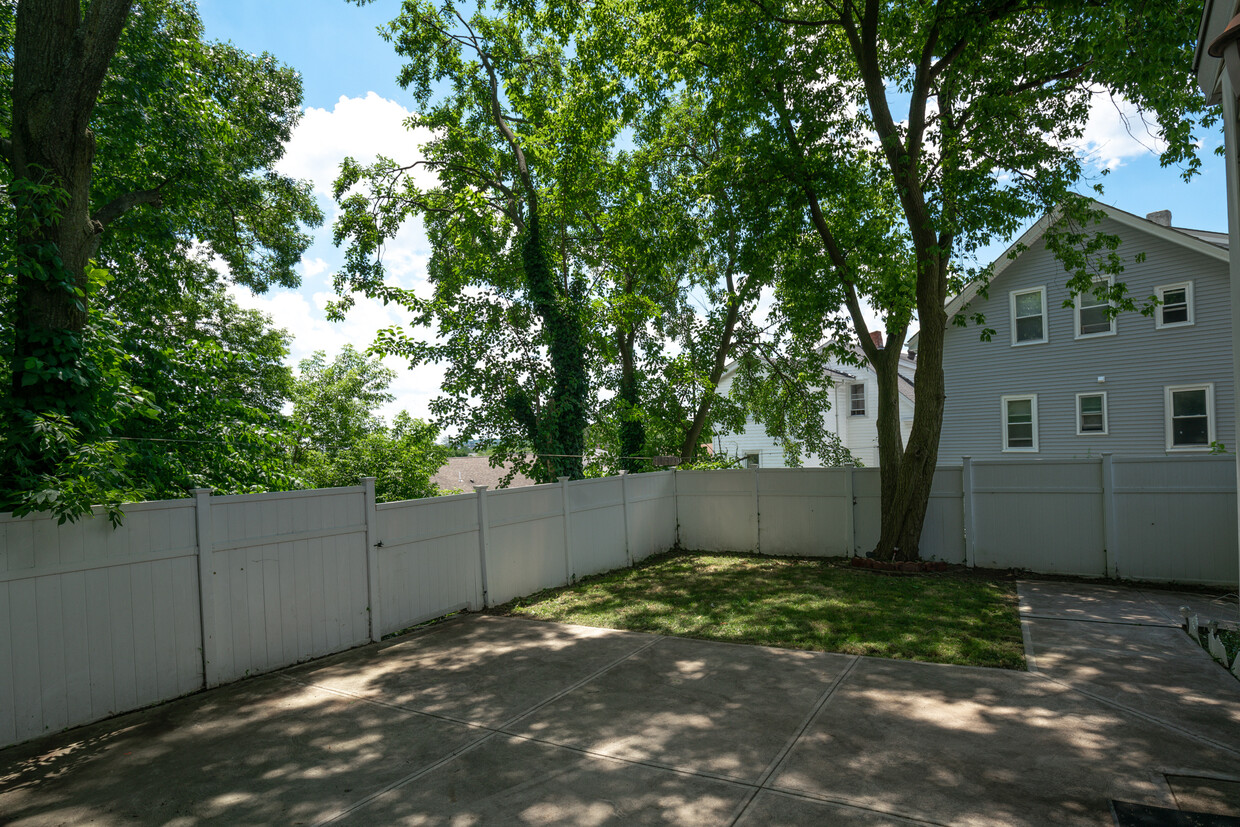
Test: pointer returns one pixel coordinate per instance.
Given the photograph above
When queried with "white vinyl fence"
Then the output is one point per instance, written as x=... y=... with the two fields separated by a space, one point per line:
x=198 y=592
x=194 y=593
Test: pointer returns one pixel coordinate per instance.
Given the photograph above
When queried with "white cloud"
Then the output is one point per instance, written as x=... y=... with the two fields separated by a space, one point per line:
x=304 y=318
x=363 y=128
x=312 y=267
x=1117 y=132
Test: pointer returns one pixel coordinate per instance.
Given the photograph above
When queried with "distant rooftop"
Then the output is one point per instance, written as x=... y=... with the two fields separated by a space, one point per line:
x=463 y=473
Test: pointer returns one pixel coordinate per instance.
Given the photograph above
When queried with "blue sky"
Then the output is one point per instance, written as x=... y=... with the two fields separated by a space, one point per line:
x=354 y=106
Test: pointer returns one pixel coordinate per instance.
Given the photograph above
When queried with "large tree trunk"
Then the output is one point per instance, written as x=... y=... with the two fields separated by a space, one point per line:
x=60 y=59
x=890 y=440
x=904 y=505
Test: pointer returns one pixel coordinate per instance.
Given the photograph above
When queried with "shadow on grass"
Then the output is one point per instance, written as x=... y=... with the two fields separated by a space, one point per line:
x=797 y=603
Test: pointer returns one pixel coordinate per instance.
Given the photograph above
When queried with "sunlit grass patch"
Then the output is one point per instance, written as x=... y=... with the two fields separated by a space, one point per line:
x=799 y=604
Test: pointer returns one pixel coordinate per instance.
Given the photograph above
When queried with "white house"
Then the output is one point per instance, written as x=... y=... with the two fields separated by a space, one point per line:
x=1069 y=382
x=853 y=414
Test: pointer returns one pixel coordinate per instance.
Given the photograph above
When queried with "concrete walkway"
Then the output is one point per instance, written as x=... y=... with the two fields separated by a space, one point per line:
x=490 y=720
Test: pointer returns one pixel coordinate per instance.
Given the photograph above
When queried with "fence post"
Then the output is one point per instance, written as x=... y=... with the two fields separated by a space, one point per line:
x=966 y=501
x=757 y=514
x=206 y=585
x=850 y=526
x=372 y=559
x=1110 y=529
x=484 y=538
x=624 y=502
x=568 y=532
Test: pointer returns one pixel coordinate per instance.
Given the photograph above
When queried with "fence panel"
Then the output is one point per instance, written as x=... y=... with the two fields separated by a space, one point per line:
x=652 y=513
x=717 y=510
x=596 y=525
x=96 y=621
x=526 y=550
x=289 y=578
x=804 y=512
x=867 y=509
x=1176 y=519
x=1041 y=515
x=942 y=535
x=429 y=561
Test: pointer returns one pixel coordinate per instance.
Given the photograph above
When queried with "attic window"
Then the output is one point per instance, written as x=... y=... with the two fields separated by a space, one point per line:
x=1093 y=314
x=856 y=400
x=1028 y=316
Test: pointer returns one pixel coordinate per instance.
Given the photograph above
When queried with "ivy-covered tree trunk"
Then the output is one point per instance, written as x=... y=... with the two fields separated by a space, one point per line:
x=560 y=429
x=632 y=431
x=60 y=59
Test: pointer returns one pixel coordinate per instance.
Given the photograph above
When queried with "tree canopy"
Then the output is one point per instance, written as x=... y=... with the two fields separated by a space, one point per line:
x=133 y=152
x=908 y=136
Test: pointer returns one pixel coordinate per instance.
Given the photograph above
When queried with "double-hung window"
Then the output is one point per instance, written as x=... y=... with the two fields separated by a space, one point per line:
x=1020 y=423
x=1190 y=417
x=1028 y=316
x=1176 y=309
x=856 y=400
x=1093 y=313
x=1091 y=413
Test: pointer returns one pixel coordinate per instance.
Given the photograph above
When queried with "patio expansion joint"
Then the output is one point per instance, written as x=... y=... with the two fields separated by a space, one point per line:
x=491 y=732
x=851 y=804
x=1145 y=716
x=783 y=754
x=1032 y=616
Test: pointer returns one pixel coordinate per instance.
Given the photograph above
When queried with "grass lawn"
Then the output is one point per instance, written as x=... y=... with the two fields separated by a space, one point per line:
x=799 y=604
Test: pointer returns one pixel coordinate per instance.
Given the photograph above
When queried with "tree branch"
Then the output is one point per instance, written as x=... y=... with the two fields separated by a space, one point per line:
x=122 y=204
x=792 y=21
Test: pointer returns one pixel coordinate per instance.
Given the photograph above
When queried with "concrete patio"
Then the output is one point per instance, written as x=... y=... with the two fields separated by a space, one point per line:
x=492 y=720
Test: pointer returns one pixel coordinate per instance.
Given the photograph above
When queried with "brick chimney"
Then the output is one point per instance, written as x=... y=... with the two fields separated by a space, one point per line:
x=1162 y=217
x=877 y=337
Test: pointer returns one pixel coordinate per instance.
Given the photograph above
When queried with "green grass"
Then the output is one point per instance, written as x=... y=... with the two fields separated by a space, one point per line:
x=799 y=604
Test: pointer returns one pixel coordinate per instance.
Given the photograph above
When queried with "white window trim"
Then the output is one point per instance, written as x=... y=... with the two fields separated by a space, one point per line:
x=865 y=406
x=1208 y=387
x=1003 y=419
x=1106 y=422
x=1188 y=298
x=1046 y=322
x=1076 y=315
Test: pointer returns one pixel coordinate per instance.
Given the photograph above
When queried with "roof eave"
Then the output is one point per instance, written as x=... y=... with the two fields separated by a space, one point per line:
x=1034 y=233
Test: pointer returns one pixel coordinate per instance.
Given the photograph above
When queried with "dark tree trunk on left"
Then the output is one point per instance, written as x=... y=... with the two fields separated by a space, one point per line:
x=61 y=56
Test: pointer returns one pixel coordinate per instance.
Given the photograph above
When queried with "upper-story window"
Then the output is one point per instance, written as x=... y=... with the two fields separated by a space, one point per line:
x=1020 y=423
x=856 y=400
x=1028 y=316
x=1176 y=309
x=1190 y=417
x=1093 y=313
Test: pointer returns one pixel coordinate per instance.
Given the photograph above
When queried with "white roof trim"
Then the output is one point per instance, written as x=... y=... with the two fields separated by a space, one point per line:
x=1034 y=233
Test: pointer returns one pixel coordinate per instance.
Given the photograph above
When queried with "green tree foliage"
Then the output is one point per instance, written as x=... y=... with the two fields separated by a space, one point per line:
x=218 y=375
x=657 y=255
x=341 y=438
x=158 y=157
x=907 y=136
x=492 y=225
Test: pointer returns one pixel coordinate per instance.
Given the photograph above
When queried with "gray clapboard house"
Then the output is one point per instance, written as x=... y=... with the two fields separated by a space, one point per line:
x=1059 y=382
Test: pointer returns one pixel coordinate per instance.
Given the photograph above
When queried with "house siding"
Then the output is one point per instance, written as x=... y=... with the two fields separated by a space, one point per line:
x=859 y=434
x=1138 y=362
